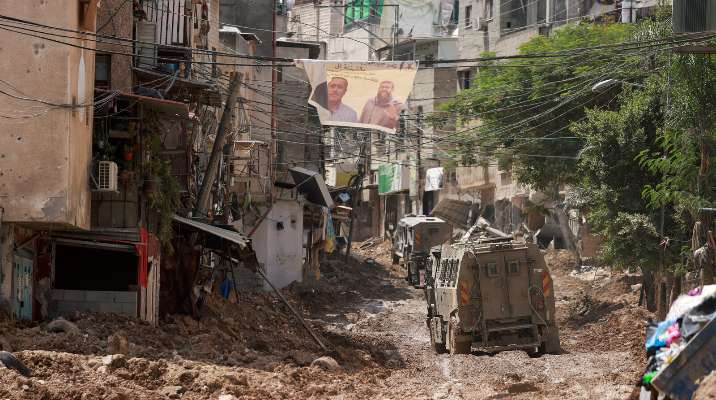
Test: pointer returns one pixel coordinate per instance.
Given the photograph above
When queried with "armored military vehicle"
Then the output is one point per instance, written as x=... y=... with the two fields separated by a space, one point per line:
x=412 y=241
x=491 y=292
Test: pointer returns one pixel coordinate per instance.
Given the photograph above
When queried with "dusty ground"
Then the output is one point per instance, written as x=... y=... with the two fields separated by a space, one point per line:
x=372 y=321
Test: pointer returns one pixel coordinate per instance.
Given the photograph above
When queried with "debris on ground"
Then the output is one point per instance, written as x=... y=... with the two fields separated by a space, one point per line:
x=365 y=313
x=681 y=345
x=326 y=363
x=62 y=325
x=10 y=362
x=707 y=388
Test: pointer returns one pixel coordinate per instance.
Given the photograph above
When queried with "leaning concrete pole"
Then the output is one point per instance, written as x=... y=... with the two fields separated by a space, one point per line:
x=202 y=203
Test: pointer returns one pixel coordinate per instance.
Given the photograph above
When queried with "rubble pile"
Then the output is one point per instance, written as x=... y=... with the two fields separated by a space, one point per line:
x=598 y=308
x=707 y=388
x=666 y=340
x=254 y=349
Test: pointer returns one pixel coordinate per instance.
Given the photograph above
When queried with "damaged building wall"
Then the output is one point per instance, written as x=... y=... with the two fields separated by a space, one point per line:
x=45 y=161
x=115 y=18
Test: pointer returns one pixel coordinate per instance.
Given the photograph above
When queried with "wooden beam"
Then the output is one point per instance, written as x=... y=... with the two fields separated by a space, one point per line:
x=695 y=49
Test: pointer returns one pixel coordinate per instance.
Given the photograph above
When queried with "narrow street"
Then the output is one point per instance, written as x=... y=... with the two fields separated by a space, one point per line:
x=372 y=322
x=601 y=342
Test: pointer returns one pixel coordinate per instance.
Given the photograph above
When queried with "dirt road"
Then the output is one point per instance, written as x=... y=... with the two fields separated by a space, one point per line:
x=373 y=322
x=601 y=334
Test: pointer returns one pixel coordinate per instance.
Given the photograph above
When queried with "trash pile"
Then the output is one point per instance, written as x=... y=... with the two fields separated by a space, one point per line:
x=677 y=335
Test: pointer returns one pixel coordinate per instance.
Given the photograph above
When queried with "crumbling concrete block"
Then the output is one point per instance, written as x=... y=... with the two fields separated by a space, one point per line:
x=326 y=363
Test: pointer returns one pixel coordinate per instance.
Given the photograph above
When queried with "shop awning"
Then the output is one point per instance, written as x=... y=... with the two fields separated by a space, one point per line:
x=311 y=184
x=170 y=108
x=231 y=236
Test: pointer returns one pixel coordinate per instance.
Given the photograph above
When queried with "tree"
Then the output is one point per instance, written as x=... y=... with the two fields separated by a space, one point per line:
x=612 y=179
x=523 y=107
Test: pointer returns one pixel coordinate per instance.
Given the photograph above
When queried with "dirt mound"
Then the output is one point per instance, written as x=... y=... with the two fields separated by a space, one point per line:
x=562 y=260
x=597 y=306
x=707 y=388
x=229 y=333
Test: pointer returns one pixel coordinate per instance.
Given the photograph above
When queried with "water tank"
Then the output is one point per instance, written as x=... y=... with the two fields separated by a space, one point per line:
x=694 y=16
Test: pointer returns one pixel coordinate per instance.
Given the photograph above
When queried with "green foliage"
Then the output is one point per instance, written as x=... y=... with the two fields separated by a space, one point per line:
x=643 y=154
x=518 y=103
x=613 y=139
x=622 y=233
x=165 y=198
x=688 y=139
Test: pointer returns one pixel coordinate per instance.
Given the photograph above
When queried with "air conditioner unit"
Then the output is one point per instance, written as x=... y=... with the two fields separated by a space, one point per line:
x=107 y=176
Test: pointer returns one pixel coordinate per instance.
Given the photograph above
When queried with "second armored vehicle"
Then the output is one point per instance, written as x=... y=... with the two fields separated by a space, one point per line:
x=412 y=242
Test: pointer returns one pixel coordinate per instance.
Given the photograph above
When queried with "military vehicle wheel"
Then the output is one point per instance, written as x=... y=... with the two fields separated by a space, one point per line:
x=439 y=347
x=551 y=345
x=458 y=344
x=536 y=352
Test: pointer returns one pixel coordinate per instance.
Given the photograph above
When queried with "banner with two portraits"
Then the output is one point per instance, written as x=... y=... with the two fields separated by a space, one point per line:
x=368 y=95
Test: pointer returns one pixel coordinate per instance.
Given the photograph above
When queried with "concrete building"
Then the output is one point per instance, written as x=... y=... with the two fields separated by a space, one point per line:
x=55 y=190
x=284 y=129
x=45 y=156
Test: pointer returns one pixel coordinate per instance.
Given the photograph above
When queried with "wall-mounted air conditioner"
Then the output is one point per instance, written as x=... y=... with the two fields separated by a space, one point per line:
x=107 y=176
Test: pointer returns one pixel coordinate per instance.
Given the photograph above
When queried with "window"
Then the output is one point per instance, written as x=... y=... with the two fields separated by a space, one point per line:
x=491 y=269
x=360 y=10
x=514 y=267
x=88 y=14
x=102 y=71
x=488 y=9
x=455 y=16
x=464 y=79
x=468 y=17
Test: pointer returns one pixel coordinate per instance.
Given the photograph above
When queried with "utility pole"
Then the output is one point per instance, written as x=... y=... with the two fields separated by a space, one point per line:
x=396 y=26
x=419 y=129
x=202 y=203
x=357 y=186
x=318 y=20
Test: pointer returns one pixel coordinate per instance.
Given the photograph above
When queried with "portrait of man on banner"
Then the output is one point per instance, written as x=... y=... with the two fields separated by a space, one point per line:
x=329 y=95
x=368 y=95
x=383 y=109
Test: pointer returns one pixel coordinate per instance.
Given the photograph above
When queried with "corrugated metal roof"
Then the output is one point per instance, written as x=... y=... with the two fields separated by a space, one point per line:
x=419 y=219
x=232 y=236
x=455 y=212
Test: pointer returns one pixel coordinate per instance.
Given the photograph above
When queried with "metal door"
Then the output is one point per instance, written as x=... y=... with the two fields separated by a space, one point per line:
x=516 y=273
x=504 y=285
x=22 y=284
x=493 y=286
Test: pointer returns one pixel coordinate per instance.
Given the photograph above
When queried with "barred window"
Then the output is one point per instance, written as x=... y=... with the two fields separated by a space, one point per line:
x=360 y=10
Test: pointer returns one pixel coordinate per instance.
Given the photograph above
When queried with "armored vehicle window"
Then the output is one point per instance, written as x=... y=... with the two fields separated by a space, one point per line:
x=491 y=269
x=514 y=267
